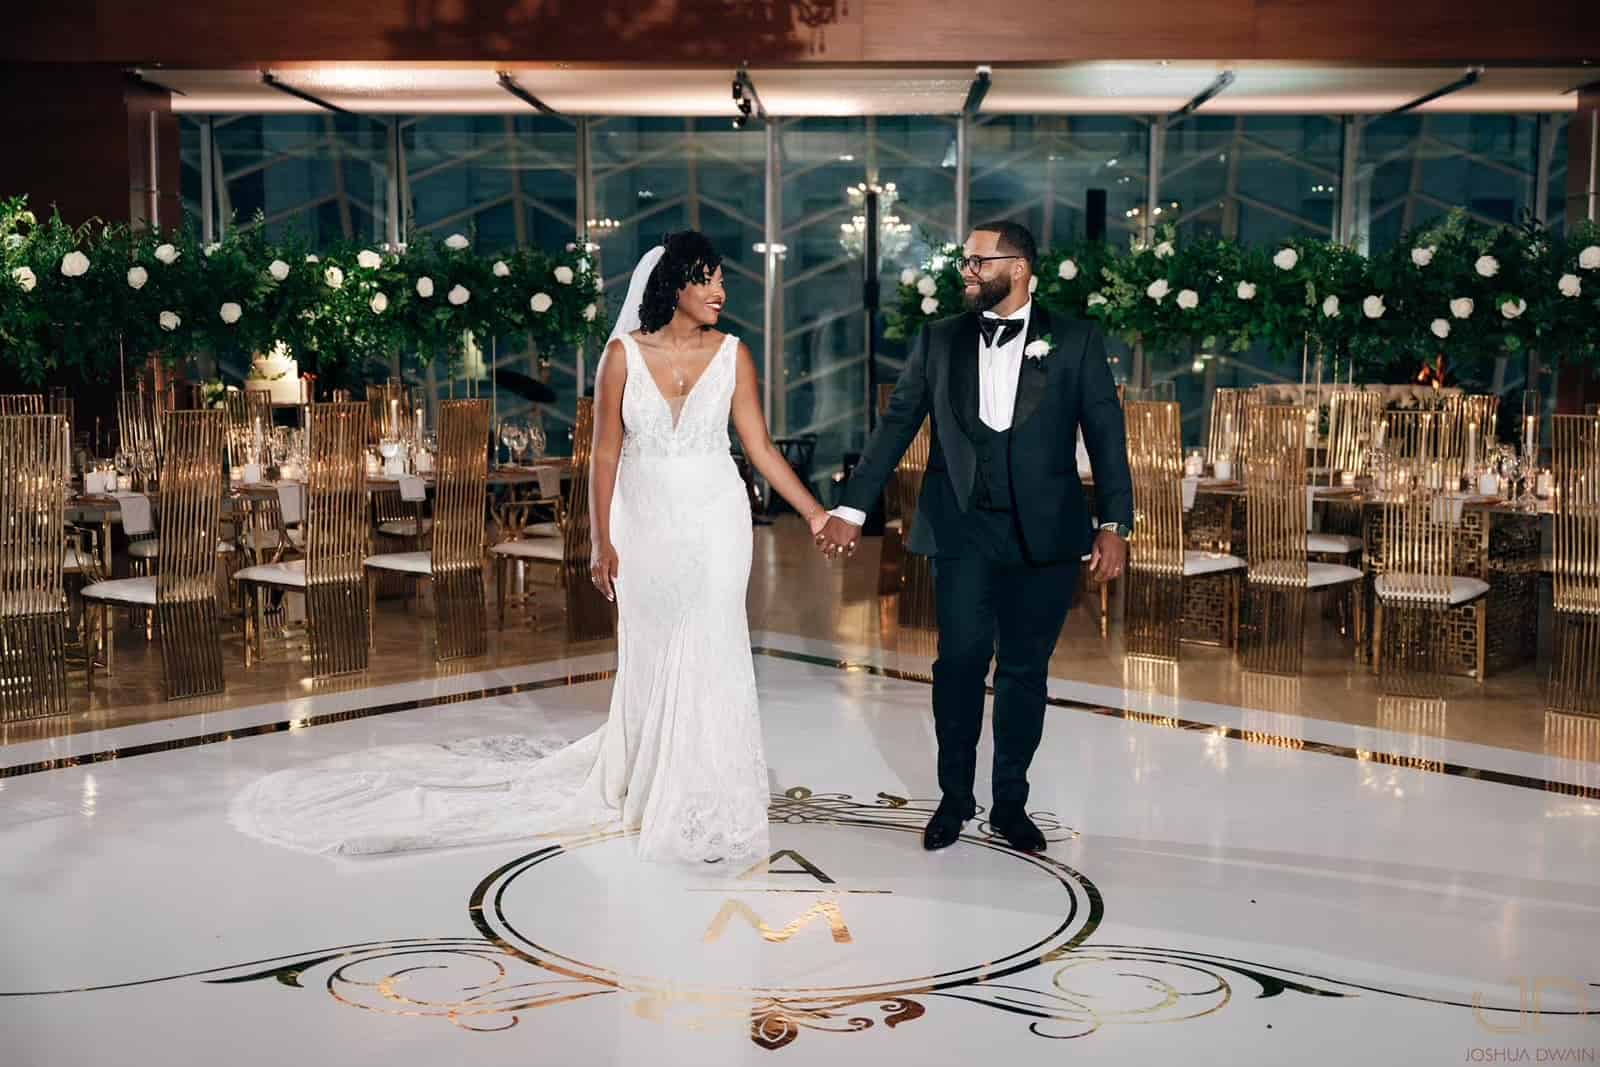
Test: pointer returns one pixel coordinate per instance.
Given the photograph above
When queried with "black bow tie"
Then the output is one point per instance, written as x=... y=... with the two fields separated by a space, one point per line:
x=1006 y=328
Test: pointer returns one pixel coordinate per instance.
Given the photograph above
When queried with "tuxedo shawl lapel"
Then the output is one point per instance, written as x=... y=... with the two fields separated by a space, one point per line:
x=1034 y=377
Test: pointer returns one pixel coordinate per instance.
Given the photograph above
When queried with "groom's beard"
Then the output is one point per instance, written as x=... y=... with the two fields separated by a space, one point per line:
x=989 y=293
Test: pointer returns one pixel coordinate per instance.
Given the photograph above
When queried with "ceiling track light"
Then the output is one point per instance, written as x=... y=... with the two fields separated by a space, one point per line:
x=1468 y=79
x=272 y=82
x=140 y=78
x=977 y=91
x=509 y=84
x=746 y=99
x=1223 y=80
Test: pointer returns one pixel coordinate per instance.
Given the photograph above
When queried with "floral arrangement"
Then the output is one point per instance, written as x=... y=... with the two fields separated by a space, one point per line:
x=1459 y=292
x=70 y=296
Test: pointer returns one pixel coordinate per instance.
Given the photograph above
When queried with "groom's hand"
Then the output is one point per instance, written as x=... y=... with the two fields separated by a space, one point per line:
x=1109 y=557
x=838 y=537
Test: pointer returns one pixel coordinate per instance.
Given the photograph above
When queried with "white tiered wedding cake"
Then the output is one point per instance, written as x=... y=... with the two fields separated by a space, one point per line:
x=277 y=373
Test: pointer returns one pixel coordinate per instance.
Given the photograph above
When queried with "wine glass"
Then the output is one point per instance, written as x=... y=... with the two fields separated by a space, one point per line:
x=537 y=440
x=515 y=437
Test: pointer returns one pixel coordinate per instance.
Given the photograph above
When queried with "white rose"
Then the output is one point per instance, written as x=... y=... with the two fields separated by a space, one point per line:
x=1286 y=259
x=927 y=286
x=74 y=264
x=1330 y=307
x=1570 y=285
x=24 y=277
x=1247 y=291
x=1422 y=256
x=589 y=313
x=425 y=287
x=334 y=277
x=563 y=274
x=14 y=240
x=1095 y=299
x=456 y=242
x=1165 y=249
x=166 y=254
x=379 y=303
x=230 y=312
x=1158 y=290
x=501 y=270
x=1033 y=283
x=211 y=249
x=137 y=276
x=458 y=295
x=1513 y=309
x=571 y=247
x=541 y=302
x=1589 y=258
x=1068 y=270
x=938 y=263
x=1372 y=307
x=169 y=321
x=313 y=259
x=1487 y=266
x=908 y=277
x=367 y=259
x=1188 y=299
x=930 y=304
x=1461 y=307
x=1440 y=328
x=583 y=263
x=1037 y=349
x=278 y=269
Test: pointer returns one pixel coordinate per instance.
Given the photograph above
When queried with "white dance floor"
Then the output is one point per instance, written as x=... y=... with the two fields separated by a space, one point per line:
x=1222 y=886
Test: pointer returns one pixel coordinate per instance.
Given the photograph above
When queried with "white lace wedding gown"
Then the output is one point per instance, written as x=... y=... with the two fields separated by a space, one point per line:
x=679 y=758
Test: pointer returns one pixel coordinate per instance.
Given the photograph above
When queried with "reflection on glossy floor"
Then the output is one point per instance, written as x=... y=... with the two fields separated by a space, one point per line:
x=1223 y=885
x=795 y=591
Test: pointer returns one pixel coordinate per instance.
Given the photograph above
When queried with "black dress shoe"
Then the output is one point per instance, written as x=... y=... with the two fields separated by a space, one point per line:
x=944 y=829
x=1018 y=830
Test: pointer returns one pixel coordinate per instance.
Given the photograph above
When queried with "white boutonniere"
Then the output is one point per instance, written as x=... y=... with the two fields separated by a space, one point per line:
x=1039 y=348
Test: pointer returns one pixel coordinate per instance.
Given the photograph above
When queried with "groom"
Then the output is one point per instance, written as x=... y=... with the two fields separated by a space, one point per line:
x=1002 y=512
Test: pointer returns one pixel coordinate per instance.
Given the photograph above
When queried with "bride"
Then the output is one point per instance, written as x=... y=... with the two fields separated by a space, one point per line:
x=679 y=759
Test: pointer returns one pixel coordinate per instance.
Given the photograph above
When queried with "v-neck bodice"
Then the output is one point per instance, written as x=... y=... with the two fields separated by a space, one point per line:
x=699 y=427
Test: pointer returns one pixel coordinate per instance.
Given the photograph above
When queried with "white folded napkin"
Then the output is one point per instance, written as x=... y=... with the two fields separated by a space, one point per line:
x=549 y=481
x=136 y=513
x=412 y=488
x=1448 y=508
x=291 y=502
x=1191 y=486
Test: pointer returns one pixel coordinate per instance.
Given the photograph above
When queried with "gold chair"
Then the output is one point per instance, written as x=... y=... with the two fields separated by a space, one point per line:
x=1480 y=412
x=455 y=564
x=1158 y=563
x=21 y=403
x=183 y=593
x=33 y=605
x=390 y=405
x=331 y=576
x=1279 y=576
x=589 y=614
x=1353 y=416
x=1226 y=433
x=1575 y=564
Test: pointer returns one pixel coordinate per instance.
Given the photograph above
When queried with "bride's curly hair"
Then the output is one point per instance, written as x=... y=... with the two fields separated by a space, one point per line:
x=689 y=259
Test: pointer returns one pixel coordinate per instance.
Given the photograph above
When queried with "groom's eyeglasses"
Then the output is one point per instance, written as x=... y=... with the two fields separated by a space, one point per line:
x=974 y=264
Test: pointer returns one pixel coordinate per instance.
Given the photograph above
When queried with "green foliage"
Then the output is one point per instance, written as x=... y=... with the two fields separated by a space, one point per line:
x=164 y=294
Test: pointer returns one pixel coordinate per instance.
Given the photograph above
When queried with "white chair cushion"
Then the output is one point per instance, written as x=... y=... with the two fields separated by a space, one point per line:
x=124 y=590
x=1332 y=544
x=407 y=562
x=1462 y=590
x=148 y=548
x=404 y=527
x=291 y=574
x=542 y=529
x=1196 y=563
x=1319 y=575
x=545 y=548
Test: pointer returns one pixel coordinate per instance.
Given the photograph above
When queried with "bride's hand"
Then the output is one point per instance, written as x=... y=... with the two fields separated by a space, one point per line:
x=603 y=570
x=817 y=521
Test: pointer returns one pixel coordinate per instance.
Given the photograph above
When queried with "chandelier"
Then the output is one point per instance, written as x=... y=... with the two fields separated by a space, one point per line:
x=894 y=235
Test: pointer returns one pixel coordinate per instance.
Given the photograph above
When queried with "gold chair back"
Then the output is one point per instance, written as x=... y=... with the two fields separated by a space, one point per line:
x=1414 y=442
x=246 y=410
x=390 y=405
x=33 y=458
x=21 y=403
x=1155 y=459
x=1353 y=416
x=1460 y=412
x=1575 y=564
x=460 y=488
x=1418 y=546
x=336 y=537
x=1276 y=496
x=1227 y=433
x=589 y=614
x=139 y=433
x=186 y=583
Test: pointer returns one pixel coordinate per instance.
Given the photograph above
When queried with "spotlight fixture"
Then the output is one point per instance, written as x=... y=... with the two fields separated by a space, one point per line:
x=272 y=82
x=1466 y=81
x=977 y=91
x=746 y=99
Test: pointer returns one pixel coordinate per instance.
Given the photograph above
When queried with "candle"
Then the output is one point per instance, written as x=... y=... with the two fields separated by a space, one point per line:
x=256 y=437
x=393 y=429
x=1383 y=432
x=1472 y=445
x=1530 y=435
x=416 y=435
x=1544 y=485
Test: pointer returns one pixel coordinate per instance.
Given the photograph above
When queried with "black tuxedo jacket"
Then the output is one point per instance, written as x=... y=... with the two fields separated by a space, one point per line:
x=1056 y=395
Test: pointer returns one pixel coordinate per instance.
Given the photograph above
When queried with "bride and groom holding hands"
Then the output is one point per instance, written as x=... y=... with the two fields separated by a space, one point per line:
x=680 y=759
